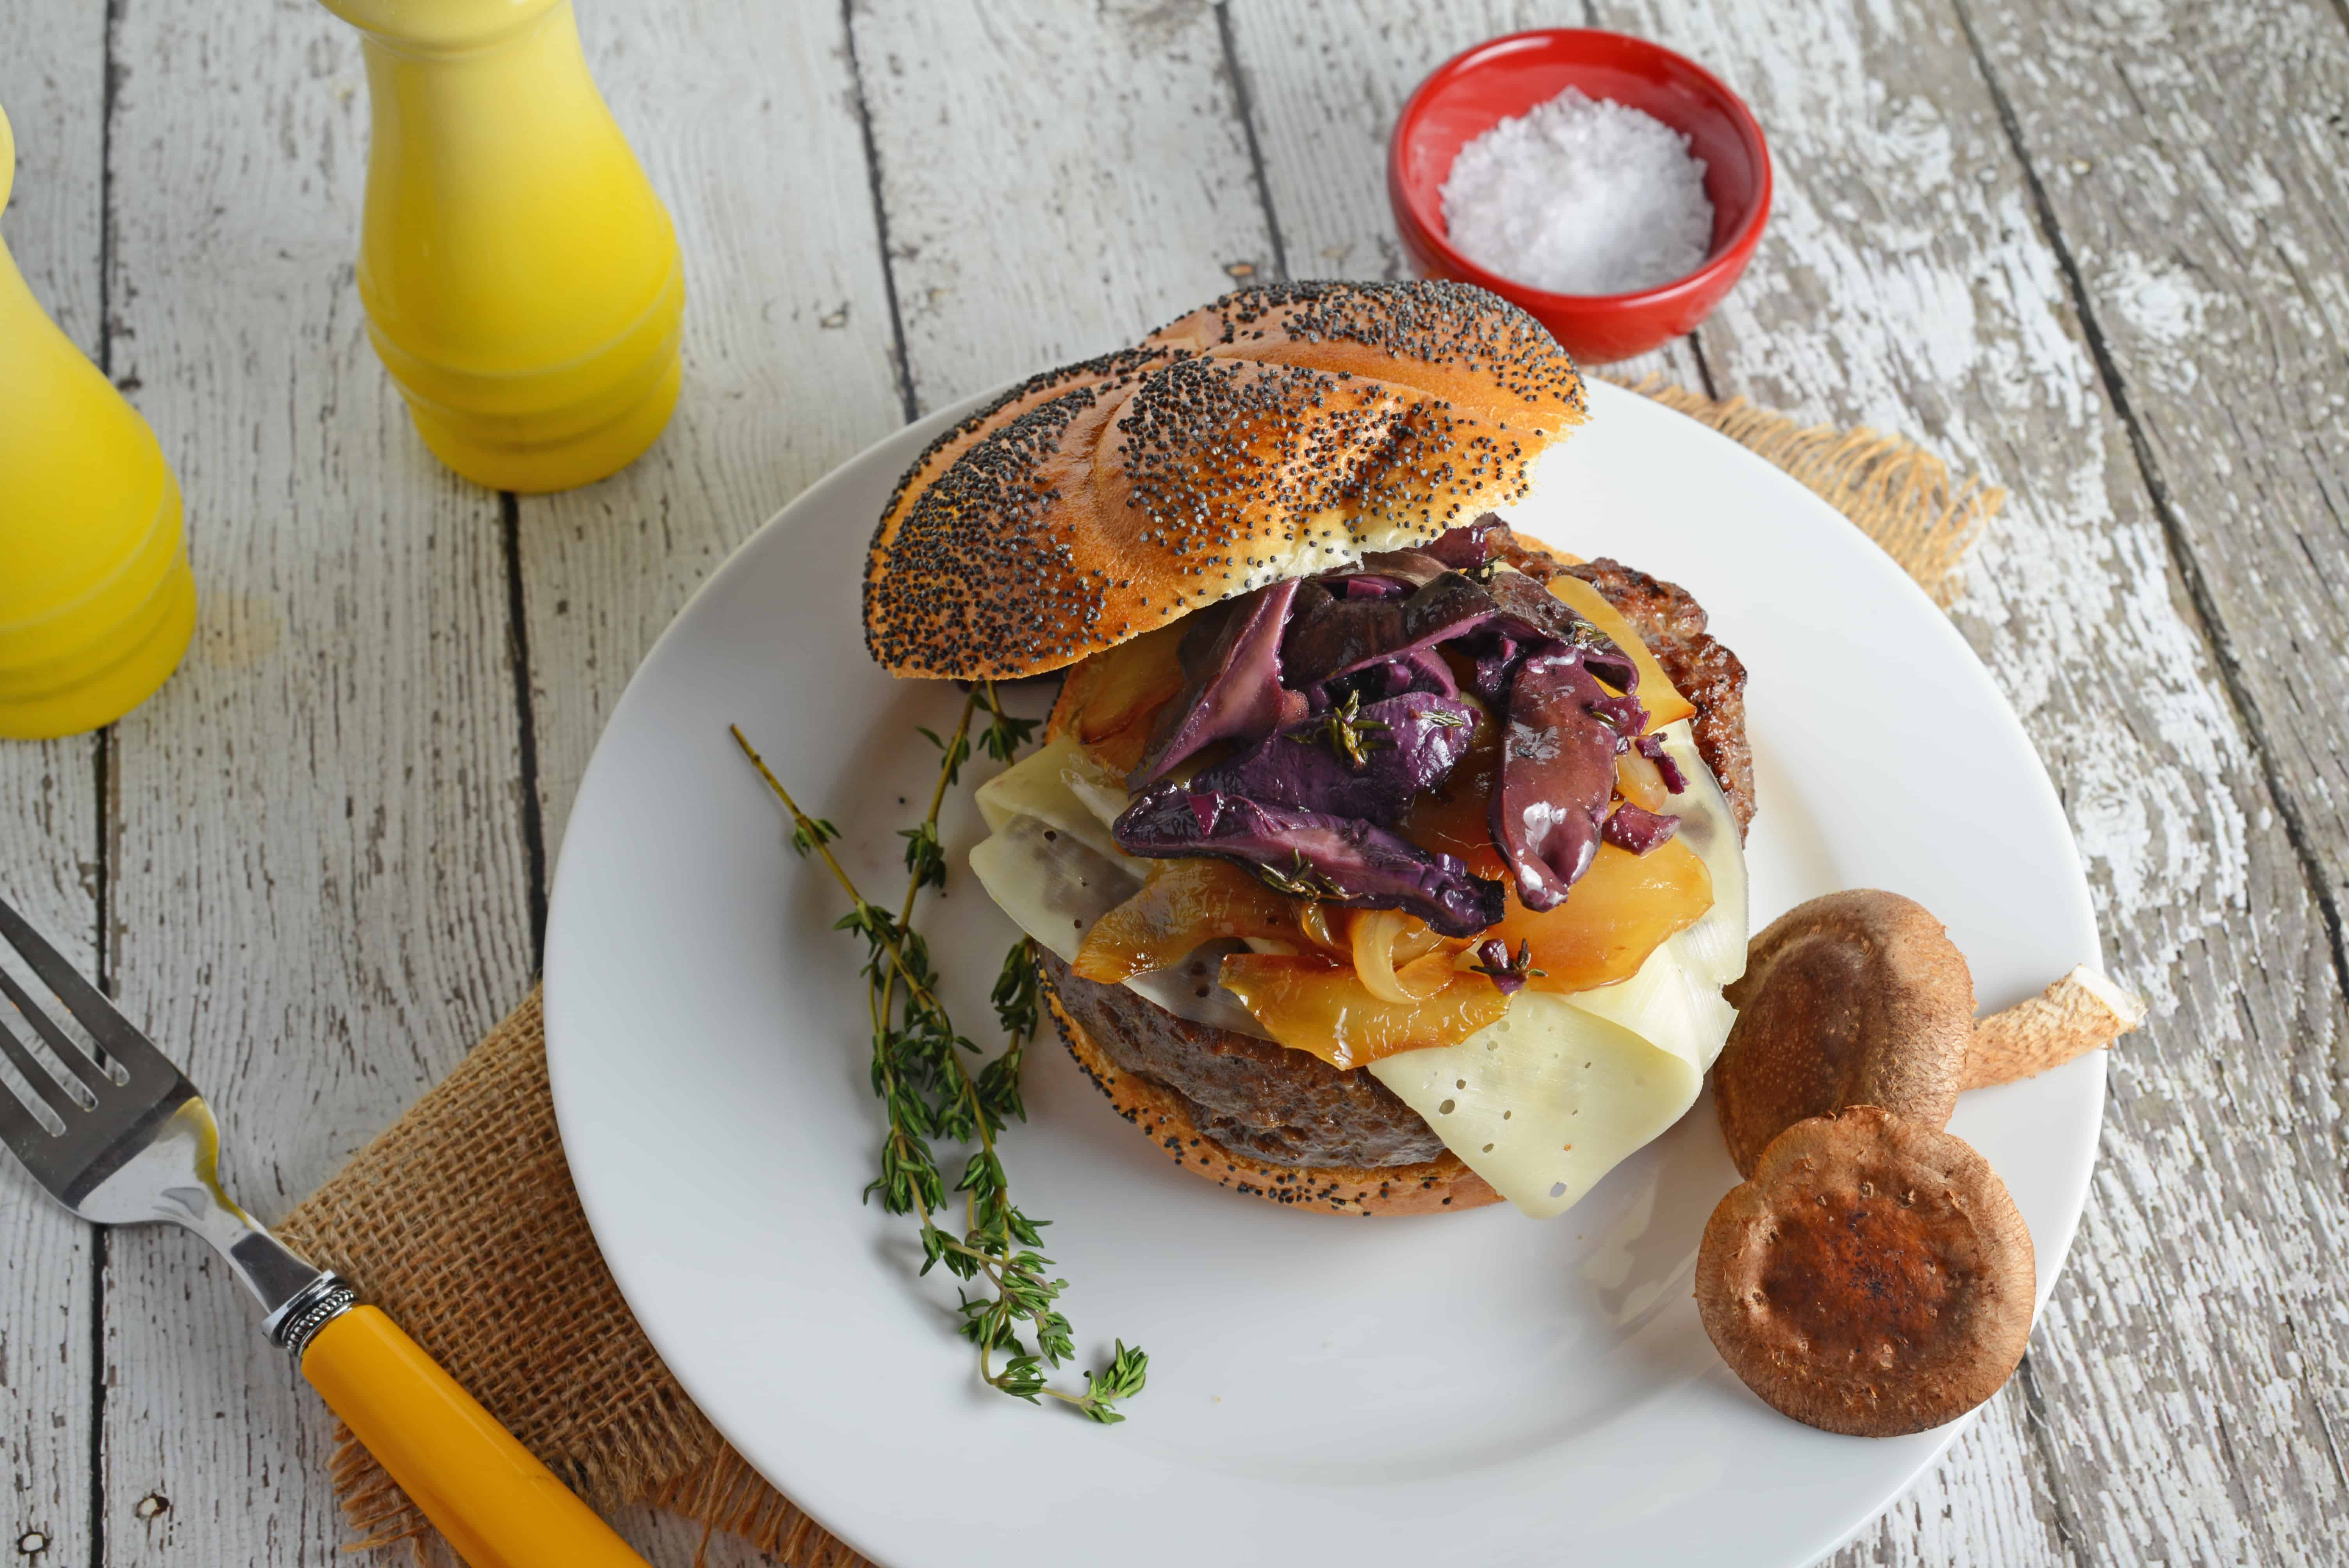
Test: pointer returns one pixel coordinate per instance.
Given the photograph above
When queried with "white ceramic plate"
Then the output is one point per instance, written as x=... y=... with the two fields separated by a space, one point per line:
x=1476 y=1387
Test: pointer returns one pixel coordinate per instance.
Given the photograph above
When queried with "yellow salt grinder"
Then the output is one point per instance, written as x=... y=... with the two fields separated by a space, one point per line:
x=522 y=281
x=96 y=599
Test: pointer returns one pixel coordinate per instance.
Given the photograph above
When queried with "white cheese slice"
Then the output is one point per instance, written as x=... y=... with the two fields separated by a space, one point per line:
x=1669 y=1004
x=1197 y=997
x=1058 y=784
x=1714 y=947
x=1674 y=1001
x=1546 y=1101
x=1097 y=789
x=1054 y=886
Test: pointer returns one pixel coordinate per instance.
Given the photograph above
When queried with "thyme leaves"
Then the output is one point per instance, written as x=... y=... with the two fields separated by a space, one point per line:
x=931 y=1095
x=1348 y=733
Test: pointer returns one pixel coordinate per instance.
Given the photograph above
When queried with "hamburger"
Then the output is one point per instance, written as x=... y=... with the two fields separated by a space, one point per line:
x=1380 y=857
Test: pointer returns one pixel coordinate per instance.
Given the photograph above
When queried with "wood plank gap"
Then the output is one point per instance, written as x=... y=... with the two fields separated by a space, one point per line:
x=913 y=408
x=102 y=781
x=2189 y=570
x=1703 y=366
x=113 y=79
x=533 y=823
x=102 y=907
x=98 y=1396
x=1246 y=109
x=101 y=755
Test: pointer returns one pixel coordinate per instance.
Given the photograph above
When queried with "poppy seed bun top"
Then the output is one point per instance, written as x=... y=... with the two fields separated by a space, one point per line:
x=1278 y=433
x=1452 y=341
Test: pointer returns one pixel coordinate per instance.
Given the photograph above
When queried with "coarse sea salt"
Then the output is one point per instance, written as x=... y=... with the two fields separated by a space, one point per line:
x=1581 y=196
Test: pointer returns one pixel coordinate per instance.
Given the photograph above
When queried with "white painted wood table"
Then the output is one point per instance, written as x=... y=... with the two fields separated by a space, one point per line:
x=2095 y=252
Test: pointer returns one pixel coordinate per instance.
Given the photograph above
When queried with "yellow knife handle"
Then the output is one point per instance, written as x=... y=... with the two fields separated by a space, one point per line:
x=499 y=1507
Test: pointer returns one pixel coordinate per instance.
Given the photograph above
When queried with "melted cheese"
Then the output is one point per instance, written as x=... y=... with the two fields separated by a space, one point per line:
x=1674 y=1001
x=1545 y=1102
x=1059 y=784
x=1714 y=947
x=1052 y=884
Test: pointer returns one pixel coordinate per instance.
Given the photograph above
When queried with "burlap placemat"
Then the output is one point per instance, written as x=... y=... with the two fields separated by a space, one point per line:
x=461 y=1224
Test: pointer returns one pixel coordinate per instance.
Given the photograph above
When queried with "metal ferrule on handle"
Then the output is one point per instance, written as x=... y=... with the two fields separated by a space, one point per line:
x=496 y=1503
x=291 y=1326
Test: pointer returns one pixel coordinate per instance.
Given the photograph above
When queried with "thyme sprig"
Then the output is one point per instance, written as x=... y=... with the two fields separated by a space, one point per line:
x=1300 y=879
x=1349 y=735
x=931 y=1094
x=1506 y=972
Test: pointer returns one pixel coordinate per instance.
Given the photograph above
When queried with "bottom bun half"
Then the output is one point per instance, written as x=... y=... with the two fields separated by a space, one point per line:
x=1438 y=1186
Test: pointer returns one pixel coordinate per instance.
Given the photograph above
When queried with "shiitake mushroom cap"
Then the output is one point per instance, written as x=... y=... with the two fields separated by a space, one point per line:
x=1856 y=998
x=1872 y=1278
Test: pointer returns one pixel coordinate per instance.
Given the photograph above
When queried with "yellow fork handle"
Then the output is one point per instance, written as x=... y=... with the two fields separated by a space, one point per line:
x=499 y=1507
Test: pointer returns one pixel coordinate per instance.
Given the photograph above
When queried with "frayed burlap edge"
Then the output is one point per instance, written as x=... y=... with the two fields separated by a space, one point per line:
x=727 y=1494
x=461 y=1224
x=1894 y=492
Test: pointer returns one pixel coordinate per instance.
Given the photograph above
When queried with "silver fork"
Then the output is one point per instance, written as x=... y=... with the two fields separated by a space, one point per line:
x=144 y=1148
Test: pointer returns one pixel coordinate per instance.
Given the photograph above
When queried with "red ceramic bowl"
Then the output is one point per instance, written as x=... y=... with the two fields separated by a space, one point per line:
x=1471 y=92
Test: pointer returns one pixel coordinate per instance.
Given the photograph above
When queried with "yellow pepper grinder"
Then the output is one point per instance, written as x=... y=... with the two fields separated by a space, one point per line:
x=522 y=281
x=96 y=599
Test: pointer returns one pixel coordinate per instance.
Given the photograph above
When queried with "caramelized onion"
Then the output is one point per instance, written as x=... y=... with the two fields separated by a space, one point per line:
x=1662 y=700
x=1626 y=908
x=1312 y=1005
x=1110 y=701
x=1184 y=905
x=1641 y=782
x=1314 y=920
x=1383 y=939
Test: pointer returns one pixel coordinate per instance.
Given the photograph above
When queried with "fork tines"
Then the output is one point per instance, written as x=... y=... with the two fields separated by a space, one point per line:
x=116 y=1037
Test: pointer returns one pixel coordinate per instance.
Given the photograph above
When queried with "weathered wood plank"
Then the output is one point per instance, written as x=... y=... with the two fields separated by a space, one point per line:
x=52 y=75
x=2196 y=160
x=52 y=85
x=320 y=890
x=790 y=365
x=2183 y=1404
x=1056 y=182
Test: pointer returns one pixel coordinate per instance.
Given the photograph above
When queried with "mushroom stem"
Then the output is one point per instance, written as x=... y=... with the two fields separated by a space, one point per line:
x=2083 y=1012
